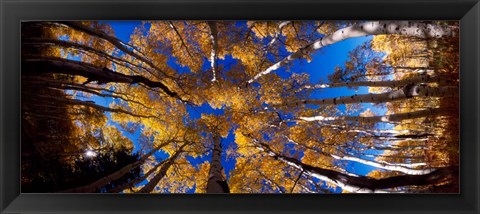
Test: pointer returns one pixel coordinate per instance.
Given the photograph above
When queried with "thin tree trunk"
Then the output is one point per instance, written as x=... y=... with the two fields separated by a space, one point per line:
x=181 y=38
x=95 y=186
x=277 y=34
x=383 y=118
x=398 y=167
x=67 y=44
x=162 y=172
x=388 y=83
x=216 y=183
x=92 y=72
x=406 y=92
x=213 y=55
x=408 y=28
x=378 y=134
x=363 y=184
x=134 y=182
x=95 y=106
x=115 y=41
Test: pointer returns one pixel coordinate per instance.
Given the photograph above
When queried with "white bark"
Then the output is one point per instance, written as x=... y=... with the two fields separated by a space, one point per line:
x=213 y=54
x=408 y=28
x=424 y=78
x=383 y=118
x=406 y=92
x=162 y=172
x=400 y=167
x=279 y=32
x=361 y=184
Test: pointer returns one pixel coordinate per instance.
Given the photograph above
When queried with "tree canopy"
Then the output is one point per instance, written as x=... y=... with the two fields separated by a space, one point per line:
x=231 y=107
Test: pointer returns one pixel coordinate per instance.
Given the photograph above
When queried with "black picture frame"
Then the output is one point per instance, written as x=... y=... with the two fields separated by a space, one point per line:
x=13 y=12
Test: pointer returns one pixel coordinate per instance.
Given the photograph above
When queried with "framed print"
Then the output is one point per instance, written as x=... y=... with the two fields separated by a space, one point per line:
x=275 y=106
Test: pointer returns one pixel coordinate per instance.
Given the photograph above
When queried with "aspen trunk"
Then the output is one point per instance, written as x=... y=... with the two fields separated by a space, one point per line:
x=213 y=55
x=408 y=28
x=114 y=41
x=363 y=184
x=162 y=172
x=136 y=181
x=92 y=72
x=388 y=83
x=67 y=44
x=277 y=34
x=400 y=167
x=216 y=183
x=406 y=92
x=95 y=186
x=383 y=118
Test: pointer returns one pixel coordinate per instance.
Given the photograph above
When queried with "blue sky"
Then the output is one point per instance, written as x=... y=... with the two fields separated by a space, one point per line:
x=322 y=64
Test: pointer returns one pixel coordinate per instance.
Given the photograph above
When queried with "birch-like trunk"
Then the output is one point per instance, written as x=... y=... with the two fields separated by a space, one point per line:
x=92 y=72
x=95 y=186
x=398 y=167
x=363 y=184
x=406 y=92
x=114 y=41
x=84 y=48
x=388 y=83
x=216 y=183
x=277 y=34
x=408 y=28
x=162 y=172
x=383 y=118
x=379 y=134
x=213 y=54
x=134 y=182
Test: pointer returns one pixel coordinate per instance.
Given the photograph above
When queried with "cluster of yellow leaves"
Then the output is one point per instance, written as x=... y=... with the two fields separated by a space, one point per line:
x=221 y=95
x=177 y=36
x=292 y=42
x=218 y=124
x=244 y=143
x=180 y=178
x=263 y=29
x=248 y=53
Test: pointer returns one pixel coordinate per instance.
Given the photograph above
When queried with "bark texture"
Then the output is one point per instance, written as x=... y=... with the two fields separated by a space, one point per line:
x=363 y=184
x=406 y=92
x=162 y=172
x=216 y=183
x=408 y=28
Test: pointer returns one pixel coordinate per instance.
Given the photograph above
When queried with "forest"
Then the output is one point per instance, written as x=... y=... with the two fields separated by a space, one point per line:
x=193 y=106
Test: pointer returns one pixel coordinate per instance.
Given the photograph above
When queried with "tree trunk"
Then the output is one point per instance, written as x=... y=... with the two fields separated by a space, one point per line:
x=363 y=184
x=67 y=44
x=384 y=118
x=95 y=186
x=406 y=92
x=136 y=180
x=216 y=183
x=388 y=83
x=116 y=42
x=408 y=28
x=92 y=72
x=398 y=167
x=162 y=172
x=213 y=55
x=277 y=34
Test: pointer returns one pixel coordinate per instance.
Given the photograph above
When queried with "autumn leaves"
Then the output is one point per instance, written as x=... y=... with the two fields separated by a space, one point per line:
x=286 y=138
